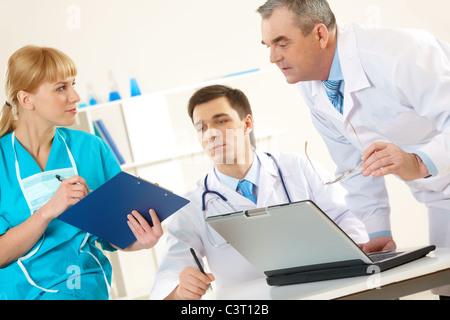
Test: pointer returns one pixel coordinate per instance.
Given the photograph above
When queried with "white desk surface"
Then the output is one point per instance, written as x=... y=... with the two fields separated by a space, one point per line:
x=436 y=261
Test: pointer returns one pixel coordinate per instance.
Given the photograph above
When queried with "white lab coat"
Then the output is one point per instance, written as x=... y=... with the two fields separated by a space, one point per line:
x=397 y=90
x=186 y=228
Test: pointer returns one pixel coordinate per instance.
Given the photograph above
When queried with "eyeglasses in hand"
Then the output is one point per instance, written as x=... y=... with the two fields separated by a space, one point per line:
x=346 y=173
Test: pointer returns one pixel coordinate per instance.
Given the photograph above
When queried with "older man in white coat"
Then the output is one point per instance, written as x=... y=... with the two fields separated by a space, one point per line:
x=385 y=90
x=223 y=119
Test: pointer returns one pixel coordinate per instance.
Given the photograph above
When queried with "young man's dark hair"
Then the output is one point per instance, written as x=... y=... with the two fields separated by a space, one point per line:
x=237 y=99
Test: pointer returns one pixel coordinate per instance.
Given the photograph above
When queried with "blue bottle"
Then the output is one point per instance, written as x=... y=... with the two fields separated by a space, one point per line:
x=134 y=88
x=114 y=92
x=92 y=100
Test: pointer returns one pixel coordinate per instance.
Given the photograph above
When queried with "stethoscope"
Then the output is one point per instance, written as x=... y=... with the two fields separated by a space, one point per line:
x=221 y=196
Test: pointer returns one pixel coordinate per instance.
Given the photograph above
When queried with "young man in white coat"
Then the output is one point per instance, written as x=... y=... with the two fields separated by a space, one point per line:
x=223 y=119
x=385 y=90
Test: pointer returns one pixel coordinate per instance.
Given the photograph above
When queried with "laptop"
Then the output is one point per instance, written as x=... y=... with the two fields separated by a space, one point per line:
x=298 y=243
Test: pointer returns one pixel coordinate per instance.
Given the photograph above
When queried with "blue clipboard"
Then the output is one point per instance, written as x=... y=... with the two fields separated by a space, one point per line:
x=103 y=213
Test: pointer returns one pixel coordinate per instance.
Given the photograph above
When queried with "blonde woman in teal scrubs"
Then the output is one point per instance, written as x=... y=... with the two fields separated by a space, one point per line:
x=40 y=256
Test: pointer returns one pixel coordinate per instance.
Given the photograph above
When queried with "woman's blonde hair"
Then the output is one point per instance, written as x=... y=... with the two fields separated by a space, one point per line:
x=27 y=69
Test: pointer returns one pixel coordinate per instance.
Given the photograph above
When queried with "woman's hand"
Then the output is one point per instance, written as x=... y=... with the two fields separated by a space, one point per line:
x=146 y=235
x=71 y=191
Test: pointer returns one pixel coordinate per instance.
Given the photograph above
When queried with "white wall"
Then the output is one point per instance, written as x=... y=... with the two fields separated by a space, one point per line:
x=170 y=43
x=174 y=42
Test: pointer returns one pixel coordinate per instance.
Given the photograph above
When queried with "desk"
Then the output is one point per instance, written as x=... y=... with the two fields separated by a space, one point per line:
x=426 y=273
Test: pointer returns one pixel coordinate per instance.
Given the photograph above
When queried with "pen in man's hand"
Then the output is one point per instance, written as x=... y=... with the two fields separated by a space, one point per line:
x=198 y=264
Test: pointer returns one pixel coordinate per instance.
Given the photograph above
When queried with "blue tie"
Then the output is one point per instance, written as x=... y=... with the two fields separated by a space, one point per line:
x=247 y=189
x=333 y=93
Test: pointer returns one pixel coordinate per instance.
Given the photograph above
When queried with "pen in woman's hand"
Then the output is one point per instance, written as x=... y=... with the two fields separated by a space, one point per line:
x=61 y=179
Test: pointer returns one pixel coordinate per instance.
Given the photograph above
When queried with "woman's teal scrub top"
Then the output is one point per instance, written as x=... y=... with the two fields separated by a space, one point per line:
x=59 y=262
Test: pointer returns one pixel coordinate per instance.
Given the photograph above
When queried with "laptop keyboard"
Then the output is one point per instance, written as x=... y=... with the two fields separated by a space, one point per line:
x=380 y=256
